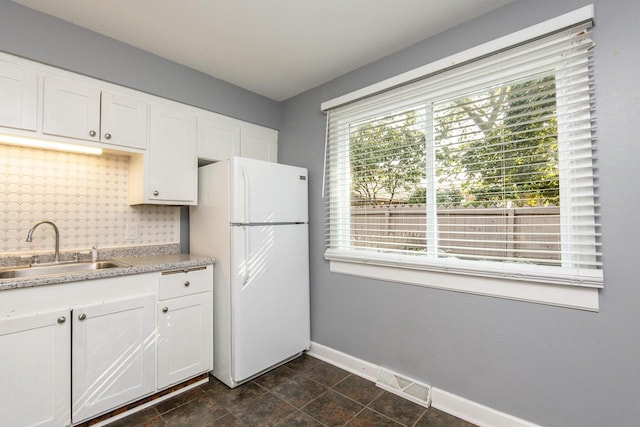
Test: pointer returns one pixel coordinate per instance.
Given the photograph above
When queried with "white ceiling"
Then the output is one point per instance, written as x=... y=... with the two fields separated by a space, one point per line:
x=276 y=48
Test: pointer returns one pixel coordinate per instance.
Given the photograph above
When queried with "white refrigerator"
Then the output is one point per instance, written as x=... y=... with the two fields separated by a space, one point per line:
x=252 y=218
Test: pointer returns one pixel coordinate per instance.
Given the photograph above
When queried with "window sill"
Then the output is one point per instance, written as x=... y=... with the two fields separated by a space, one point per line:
x=576 y=297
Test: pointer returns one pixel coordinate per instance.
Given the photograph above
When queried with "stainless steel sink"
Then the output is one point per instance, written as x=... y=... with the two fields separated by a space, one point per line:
x=61 y=268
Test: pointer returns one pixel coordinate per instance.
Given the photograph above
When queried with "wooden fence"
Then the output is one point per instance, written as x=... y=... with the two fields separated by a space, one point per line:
x=481 y=232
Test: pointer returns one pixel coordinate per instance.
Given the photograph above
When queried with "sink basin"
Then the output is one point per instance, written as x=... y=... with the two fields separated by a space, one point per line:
x=62 y=268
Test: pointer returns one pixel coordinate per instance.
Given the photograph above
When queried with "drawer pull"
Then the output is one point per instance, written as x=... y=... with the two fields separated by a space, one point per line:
x=186 y=283
x=184 y=270
x=165 y=309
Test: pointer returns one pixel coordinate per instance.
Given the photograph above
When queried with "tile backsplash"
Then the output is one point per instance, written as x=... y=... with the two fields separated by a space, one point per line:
x=84 y=195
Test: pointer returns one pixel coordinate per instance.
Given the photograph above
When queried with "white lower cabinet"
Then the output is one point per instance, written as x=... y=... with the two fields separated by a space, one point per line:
x=35 y=370
x=185 y=341
x=110 y=342
x=113 y=355
x=184 y=324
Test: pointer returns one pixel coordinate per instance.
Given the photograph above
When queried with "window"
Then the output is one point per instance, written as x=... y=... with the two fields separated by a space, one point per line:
x=486 y=169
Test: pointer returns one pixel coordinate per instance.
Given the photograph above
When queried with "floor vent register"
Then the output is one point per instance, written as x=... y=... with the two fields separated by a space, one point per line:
x=404 y=387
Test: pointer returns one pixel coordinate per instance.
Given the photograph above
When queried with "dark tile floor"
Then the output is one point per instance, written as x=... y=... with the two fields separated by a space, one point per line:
x=304 y=392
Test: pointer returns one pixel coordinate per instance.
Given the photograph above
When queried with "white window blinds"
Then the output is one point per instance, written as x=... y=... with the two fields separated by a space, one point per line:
x=487 y=168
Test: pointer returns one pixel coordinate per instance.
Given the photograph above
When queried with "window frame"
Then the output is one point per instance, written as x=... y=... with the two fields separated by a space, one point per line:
x=571 y=287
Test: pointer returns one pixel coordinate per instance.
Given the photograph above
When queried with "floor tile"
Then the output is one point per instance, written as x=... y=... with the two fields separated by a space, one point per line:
x=275 y=378
x=436 y=418
x=303 y=363
x=326 y=374
x=138 y=418
x=154 y=422
x=230 y=397
x=202 y=412
x=304 y=392
x=299 y=391
x=179 y=400
x=228 y=421
x=369 y=418
x=264 y=410
x=397 y=408
x=359 y=389
x=332 y=409
x=299 y=419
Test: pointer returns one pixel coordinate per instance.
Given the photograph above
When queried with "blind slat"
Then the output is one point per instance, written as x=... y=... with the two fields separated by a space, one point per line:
x=493 y=160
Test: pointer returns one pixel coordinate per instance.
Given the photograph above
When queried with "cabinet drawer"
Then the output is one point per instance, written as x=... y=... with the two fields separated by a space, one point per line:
x=177 y=283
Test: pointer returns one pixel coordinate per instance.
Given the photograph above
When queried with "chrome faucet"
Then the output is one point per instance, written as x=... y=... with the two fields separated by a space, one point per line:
x=56 y=256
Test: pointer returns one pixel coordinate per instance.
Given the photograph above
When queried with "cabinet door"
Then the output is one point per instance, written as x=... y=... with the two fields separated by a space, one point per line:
x=35 y=370
x=71 y=109
x=19 y=100
x=218 y=138
x=259 y=143
x=113 y=355
x=123 y=120
x=172 y=172
x=184 y=338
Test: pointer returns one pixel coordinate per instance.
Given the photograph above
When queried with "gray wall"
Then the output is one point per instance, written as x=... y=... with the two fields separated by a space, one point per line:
x=552 y=366
x=34 y=35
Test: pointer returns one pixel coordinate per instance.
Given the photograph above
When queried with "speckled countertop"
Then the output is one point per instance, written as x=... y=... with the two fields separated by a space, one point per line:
x=143 y=263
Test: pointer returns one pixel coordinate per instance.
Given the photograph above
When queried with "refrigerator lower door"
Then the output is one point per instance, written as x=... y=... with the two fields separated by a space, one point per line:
x=270 y=297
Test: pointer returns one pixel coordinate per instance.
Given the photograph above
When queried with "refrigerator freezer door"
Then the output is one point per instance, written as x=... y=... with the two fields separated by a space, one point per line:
x=270 y=296
x=267 y=192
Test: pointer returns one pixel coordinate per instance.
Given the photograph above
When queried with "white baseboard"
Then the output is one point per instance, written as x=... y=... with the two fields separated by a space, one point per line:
x=450 y=403
x=344 y=361
x=474 y=412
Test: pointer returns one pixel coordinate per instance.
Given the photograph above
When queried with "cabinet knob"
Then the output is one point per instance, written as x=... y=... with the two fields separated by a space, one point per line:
x=165 y=309
x=186 y=283
x=155 y=193
x=82 y=316
x=92 y=133
x=107 y=136
x=62 y=319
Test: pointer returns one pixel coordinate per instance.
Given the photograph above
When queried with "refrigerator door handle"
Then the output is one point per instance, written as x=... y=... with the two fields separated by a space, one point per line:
x=245 y=279
x=245 y=179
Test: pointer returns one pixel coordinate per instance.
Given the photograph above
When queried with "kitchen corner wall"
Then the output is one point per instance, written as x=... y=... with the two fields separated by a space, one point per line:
x=84 y=195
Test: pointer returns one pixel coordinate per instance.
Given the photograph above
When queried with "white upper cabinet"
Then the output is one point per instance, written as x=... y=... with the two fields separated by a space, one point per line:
x=218 y=137
x=168 y=174
x=259 y=143
x=124 y=120
x=79 y=111
x=71 y=109
x=163 y=138
x=19 y=99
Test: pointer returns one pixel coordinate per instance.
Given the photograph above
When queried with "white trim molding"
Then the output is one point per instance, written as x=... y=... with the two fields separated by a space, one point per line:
x=576 y=297
x=450 y=403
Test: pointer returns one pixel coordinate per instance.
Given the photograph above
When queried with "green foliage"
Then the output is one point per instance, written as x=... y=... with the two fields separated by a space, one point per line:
x=507 y=149
x=387 y=159
x=496 y=147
